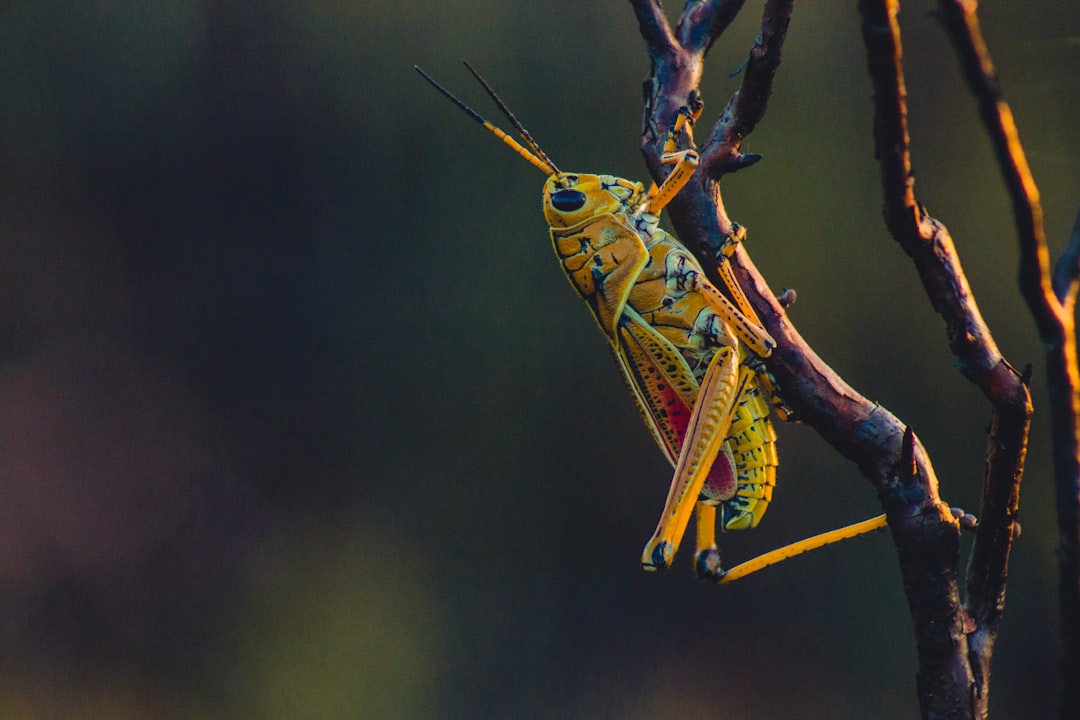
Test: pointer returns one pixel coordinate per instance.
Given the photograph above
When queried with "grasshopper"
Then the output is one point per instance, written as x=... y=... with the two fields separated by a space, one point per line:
x=691 y=358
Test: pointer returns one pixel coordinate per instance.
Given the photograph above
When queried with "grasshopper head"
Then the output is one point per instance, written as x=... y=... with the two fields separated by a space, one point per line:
x=573 y=198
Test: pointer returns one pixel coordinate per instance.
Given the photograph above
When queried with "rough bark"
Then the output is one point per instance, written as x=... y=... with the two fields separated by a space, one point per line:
x=954 y=637
x=1051 y=298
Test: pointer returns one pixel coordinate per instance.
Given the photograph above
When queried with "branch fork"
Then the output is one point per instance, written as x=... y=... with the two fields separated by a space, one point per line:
x=954 y=638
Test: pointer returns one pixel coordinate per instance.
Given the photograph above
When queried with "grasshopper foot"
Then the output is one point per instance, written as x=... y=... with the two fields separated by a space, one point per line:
x=707 y=565
x=657 y=555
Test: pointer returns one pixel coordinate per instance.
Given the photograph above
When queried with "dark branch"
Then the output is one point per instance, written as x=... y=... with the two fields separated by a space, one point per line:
x=925 y=531
x=962 y=24
x=720 y=154
x=703 y=21
x=881 y=36
x=654 y=27
x=1051 y=302
x=929 y=245
x=677 y=59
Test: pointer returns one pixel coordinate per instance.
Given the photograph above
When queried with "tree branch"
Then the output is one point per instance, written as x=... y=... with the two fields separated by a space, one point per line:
x=654 y=27
x=953 y=673
x=887 y=453
x=962 y=24
x=720 y=153
x=703 y=21
x=930 y=246
x=1051 y=302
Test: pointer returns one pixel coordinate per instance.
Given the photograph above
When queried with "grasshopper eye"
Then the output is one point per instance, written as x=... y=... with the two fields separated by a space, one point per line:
x=567 y=200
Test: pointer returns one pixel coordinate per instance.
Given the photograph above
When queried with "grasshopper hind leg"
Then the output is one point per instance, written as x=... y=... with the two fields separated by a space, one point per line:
x=750 y=453
x=707 y=564
x=767 y=383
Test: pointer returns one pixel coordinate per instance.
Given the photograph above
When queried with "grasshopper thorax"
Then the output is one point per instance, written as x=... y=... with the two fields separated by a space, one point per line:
x=573 y=198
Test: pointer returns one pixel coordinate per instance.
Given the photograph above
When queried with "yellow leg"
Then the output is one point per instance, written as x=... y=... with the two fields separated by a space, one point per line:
x=797 y=548
x=721 y=390
x=706 y=526
x=750 y=329
x=740 y=315
x=768 y=386
x=747 y=325
x=685 y=161
x=737 y=294
x=707 y=557
x=747 y=328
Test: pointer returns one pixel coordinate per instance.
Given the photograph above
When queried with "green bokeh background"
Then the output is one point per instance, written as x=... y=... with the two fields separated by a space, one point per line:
x=298 y=418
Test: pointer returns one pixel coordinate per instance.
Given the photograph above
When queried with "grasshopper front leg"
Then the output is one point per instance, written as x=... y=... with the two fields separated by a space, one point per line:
x=740 y=315
x=685 y=161
x=747 y=327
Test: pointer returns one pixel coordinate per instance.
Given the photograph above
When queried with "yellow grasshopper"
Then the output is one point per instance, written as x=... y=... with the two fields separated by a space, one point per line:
x=691 y=357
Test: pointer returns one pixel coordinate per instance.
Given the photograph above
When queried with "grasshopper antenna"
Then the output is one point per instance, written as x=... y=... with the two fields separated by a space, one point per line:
x=511 y=118
x=544 y=165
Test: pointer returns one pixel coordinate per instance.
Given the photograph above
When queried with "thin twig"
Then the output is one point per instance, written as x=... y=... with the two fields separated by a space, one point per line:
x=930 y=246
x=924 y=530
x=720 y=154
x=962 y=24
x=654 y=27
x=1051 y=301
x=703 y=21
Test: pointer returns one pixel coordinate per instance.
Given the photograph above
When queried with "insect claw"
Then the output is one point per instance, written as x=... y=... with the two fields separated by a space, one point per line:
x=695 y=104
x=738 y=234
x=707 y=565
x=658 y=556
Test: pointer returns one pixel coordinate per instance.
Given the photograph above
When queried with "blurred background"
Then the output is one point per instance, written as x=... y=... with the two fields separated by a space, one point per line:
x=299 y=418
